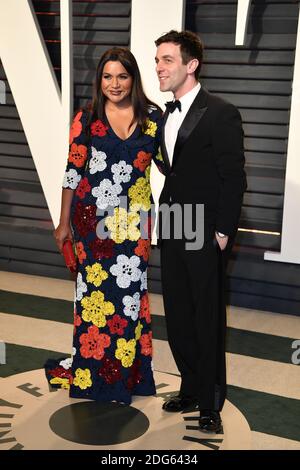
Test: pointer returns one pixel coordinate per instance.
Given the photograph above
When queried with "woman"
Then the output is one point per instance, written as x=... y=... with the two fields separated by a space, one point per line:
x=111 y=148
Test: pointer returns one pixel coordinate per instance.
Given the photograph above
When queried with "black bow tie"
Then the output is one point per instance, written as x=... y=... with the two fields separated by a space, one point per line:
x=172 y=105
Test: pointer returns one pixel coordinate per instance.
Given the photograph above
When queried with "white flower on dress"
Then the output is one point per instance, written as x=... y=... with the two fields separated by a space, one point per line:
x=126 y=270
x=97 y=161
x=107 y=194
x=121 y=171
x=81 y=287
x=132 y=305
x=66 y=363
x=71 y=179
x=144 y=281
x=151 y=108
x=73 y=351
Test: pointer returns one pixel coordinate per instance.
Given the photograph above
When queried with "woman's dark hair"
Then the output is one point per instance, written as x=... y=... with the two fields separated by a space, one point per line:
x=140 y=102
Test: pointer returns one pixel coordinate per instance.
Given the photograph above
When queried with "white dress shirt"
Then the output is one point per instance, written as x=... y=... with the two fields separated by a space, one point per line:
x=176 y=118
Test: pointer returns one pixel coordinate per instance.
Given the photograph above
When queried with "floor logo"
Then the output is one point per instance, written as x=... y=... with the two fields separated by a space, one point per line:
x=33 y=417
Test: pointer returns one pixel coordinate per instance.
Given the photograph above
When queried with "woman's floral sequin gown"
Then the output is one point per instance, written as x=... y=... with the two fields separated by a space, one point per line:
x=112 y=347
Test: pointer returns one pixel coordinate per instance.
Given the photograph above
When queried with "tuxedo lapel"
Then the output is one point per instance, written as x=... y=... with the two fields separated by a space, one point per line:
x=164 y=151
x=195 y=113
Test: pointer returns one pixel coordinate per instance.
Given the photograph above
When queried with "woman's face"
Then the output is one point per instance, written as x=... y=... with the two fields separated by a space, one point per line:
x=116 y=83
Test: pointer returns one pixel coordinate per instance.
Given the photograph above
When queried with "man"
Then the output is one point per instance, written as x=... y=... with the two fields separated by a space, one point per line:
x=202 y=147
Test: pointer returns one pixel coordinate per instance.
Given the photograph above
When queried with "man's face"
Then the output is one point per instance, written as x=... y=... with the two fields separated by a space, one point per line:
x=171 y=72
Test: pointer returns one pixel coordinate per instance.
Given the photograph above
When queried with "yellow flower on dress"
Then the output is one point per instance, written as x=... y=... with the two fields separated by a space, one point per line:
x=147 y=174
x=95 y=309
x=138 y=331
x=151 y=128
x=83 y=378
x=123 y=225
x=126 y=351
x=64 y=383
x=96 y=274
x=140 y=194
x=159 y=156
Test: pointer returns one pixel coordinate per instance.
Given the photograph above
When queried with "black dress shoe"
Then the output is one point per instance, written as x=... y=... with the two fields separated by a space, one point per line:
x=179 y=403
x=210 y=421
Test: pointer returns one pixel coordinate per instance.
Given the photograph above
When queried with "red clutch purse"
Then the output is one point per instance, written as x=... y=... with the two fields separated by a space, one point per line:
x=69 y=255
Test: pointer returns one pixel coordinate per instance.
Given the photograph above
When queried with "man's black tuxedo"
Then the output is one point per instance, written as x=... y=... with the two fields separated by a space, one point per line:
x=208 y=163
x=207 y=168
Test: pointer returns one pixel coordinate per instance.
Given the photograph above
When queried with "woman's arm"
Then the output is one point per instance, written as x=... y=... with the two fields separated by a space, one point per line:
x=73 y=175
x=63 y=230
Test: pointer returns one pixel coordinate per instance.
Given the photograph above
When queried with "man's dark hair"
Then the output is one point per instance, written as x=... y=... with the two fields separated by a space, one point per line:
x=191 y=46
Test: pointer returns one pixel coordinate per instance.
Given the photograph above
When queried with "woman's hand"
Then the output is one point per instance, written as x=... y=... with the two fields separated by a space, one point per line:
x=222 y=241
x=61 y=233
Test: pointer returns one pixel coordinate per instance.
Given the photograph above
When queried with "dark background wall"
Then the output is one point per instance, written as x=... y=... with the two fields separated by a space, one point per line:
x=257 y=78
x=26 y=242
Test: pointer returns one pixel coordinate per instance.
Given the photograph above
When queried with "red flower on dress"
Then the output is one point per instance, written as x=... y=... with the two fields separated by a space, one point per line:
x=62 y=373
x=147 y=229
x=142 y=160
x=117 y=324
x=81 y=254
x=135 y=376
x=76 y=127
x=85 y=218
x=146 y=344
x=98 y=128
x=83 y=188
x=102 y=248
x=93 y=343
x=110 y=370
x=77 y=320
x=145 y=308
x=143 y=249
x=77 y=155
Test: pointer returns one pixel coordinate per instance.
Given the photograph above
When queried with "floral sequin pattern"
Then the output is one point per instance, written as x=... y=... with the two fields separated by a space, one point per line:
x=135 y=374
x=71 y=179
x=96 y=308
x=78 y=155
x=132 y=305
x=140 y=194
x=110 y=219
x=85 y=218
x=81 y=287
x=97 y=161
x=83 y=188
x=143 y=159
x=102 y=248
x=82 y=378
x=107 y=194
x=146 y=344
x=76 y=127
x=123 y=225
x=126 y=351
x=121 y=172
x=93 y=343
x=99 y=128
x=117 y=325
x=111 y=370
x=96 y=274
x=126 y=270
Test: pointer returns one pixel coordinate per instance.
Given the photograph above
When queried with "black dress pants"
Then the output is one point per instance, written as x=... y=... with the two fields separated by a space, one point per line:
x=195 y=312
